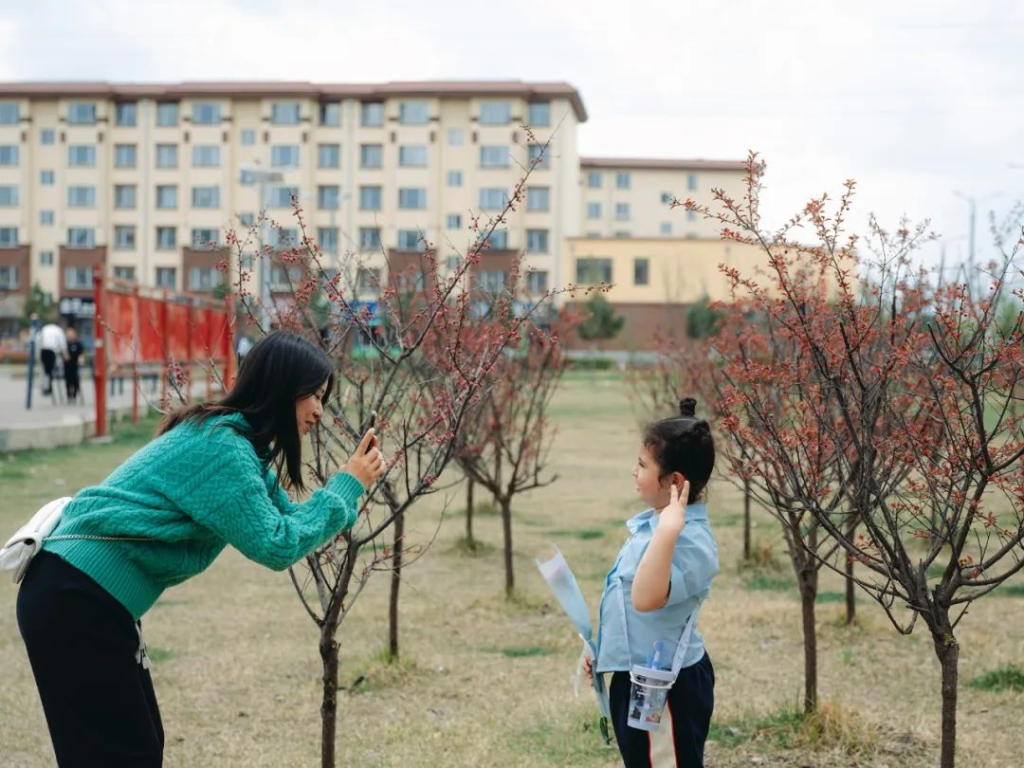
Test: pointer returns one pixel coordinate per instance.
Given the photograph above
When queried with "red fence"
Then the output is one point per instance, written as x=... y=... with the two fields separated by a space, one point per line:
x=140 y=333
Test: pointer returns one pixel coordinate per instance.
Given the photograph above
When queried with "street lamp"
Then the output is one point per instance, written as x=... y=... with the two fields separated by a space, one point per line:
x=972 y=203
x=247 y=176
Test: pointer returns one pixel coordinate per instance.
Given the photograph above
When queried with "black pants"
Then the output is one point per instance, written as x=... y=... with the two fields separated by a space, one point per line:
x=72 y=381
x=690 y=703
x=99 y=702
x=49 y=358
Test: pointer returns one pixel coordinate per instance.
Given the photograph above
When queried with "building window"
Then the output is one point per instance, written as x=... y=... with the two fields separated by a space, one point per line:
x=499 y=240
x=494 y=157
x=367 y=279
x=82 y=156
x=8 y=237
x=47 y=218
x=281 y=197
x=666 y=228
x=455 y=137
x=412 y=156
x=330 y=113
x=491 y=281
x=453 y=221
x=536 y=282
x=409 y=240
x=205 y=156
x=82 y=113
x=166 y=239
x=46 y=178
x=538 y=199
x=414 y=113
x=539 y=115
x=205 y=238
x=166 y=277
x=666 y=198
x=81 y=237
x=77 y=278
x=622 y=234
x=540 y=156
x=536 y=241
x=412 y=198
x=286 y=237
x=247 y=137
x=125 y=114
x=10 y=113
x=594 y=179
x=593 y=210
x=125 y=273
x=124 y=196
x=8 y=154
x=691 y=215
x=371 y=156
x=166 y=155
x=691 y=181
x=46 y=258
x=167 y=196
x=284 y=156
x=641 y=271
x=47 y=136
x=590 y=271
x=495 y=113
x=329 y=156
x=9 y=196
x=203 y=278
x=327 y=197
x=284 y=113
x=369 y=238
x=493 y=198
x=247 y=219
x=369 y=198
x=206 y=197
x=206 y=113
x=167 y=114
x=82 y=197
x=371 y=114
x=454 y=178
x=622 y=211
x=327 y=239
x=284 y=279
x=124 y=155
x=622 y=180
x=124 y=237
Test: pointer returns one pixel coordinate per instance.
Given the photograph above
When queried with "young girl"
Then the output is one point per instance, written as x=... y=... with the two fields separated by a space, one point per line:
x=210 y=479
x=662 y=575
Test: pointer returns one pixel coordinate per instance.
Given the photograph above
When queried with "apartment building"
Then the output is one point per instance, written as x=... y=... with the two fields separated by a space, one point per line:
x=143 y=179
x=146 y=179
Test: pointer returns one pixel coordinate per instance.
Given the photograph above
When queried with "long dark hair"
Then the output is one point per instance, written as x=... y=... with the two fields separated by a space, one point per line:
x=683 y=444
x=280 y=369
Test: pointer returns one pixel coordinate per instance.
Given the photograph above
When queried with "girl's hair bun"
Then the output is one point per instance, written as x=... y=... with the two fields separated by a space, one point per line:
x=687 y=407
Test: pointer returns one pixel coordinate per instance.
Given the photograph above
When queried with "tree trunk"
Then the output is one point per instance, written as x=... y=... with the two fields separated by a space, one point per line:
x=808 y=583
x=469 y=512
x=746 y=520
x=851 y=595
x=948 y=651
x=329 y=704
x=506 y=524
x=396 y=583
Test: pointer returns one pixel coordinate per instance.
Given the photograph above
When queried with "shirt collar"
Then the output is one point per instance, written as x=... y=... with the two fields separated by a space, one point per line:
x=649 y=519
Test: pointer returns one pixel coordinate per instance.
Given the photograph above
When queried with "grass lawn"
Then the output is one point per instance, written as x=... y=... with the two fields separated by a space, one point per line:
x=485 y=682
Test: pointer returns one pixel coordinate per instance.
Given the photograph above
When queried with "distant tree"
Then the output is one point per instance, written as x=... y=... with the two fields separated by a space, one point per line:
x=602 y=322
x=39 y=303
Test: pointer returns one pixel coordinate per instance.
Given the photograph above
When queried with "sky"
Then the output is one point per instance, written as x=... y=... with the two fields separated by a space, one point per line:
x=915 y=100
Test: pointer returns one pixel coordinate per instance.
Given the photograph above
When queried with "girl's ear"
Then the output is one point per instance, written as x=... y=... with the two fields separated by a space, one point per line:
x=674 y=478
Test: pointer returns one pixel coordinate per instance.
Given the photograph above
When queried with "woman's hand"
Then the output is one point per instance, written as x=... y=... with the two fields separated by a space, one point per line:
x=588 y=667
x=367 y=463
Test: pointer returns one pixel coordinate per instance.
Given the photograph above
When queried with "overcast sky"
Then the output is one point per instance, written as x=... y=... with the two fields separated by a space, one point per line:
x=913 y=99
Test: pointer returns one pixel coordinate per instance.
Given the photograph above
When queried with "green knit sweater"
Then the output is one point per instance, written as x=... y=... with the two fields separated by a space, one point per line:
x=193 y=491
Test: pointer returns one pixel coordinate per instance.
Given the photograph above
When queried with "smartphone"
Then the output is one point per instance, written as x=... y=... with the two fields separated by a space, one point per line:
x=370 y=425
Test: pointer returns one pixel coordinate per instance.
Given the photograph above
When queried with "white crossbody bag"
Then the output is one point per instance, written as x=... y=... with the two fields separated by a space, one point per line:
x=19 y=550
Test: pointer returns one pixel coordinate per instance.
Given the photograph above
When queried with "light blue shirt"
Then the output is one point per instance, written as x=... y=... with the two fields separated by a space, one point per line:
x=694 y=564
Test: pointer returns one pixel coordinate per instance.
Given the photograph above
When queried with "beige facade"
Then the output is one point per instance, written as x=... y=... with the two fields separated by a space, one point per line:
x=631 y=198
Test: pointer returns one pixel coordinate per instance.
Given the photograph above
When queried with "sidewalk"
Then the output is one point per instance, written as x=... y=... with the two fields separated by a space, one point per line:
x=53 y=422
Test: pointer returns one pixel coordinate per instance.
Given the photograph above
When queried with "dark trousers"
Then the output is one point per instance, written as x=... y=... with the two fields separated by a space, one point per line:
x=690 y=704
x=49 y=359
x=72 y=380
x=99 y=702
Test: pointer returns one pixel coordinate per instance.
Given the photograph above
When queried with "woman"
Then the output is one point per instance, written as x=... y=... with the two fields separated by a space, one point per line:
x=211 y=478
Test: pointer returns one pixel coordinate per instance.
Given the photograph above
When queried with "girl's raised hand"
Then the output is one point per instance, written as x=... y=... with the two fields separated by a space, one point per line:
x=674 y=515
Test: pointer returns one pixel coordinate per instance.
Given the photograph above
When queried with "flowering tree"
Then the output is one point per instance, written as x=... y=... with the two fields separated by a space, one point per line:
x=910 y=386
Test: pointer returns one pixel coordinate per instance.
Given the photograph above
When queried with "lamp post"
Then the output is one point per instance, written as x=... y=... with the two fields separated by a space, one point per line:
x=972 y=203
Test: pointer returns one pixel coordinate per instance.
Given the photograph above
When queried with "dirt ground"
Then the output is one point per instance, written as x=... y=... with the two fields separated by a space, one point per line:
x=486 y=682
